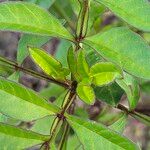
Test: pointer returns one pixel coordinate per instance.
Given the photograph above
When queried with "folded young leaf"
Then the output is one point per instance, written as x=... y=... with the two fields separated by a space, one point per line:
x=131 y=87
x=15 y=138
x=125 y=48
x=120 y=124
x=30 y=18
x=82 y=65
x=104 y=73
x=21 y=103
x=72 y=63
x=133 y=12
x=98 y=136
x=48 y=64
x=86 y=93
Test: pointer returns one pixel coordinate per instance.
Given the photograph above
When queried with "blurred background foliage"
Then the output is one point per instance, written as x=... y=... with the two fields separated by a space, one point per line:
x=14 y=46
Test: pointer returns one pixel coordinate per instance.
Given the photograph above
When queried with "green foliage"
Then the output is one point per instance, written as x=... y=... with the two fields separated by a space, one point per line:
x=13 y=96
x=131 y=51
x=110 y=94
x=15 y=138
x=82 y=66
x=85 y=92
x=29 y=40
x=98 y=136
x=48 y=64
x=22 y=17
x=120 y=124
x=131 y=87
x=104 y=73
x=72 y=63
x=100 y=66
x=135 y=13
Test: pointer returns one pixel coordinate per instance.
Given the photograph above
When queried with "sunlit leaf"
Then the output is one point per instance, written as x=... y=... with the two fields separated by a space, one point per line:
x=104 y=73
x=82 y=65
x=125 y=48
x=86 y=93
x=30 y=18
x=48 y=63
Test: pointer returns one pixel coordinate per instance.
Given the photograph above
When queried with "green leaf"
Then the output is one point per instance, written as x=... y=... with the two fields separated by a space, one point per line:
x=133 y=12
x=104 y=73
x=14 y=138
x=29 y=18
x=21 y=103
x=85 y=93
x=48 y=64
x=131 y=87
x=82 y=65
x=95 y=11
x=110 y=94
x=141 y=117
x=120 y=124
x=72 y=63
x=98 y=136
x=125 y=48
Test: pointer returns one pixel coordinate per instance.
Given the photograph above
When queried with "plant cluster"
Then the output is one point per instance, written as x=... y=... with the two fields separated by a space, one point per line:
x=100 y=65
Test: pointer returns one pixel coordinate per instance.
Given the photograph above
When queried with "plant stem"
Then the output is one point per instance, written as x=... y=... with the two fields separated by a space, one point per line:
x=82 y=24
x=60 y=117
x=64 y=136
x=131 y=113
x=35 y=74
x=69 y=99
